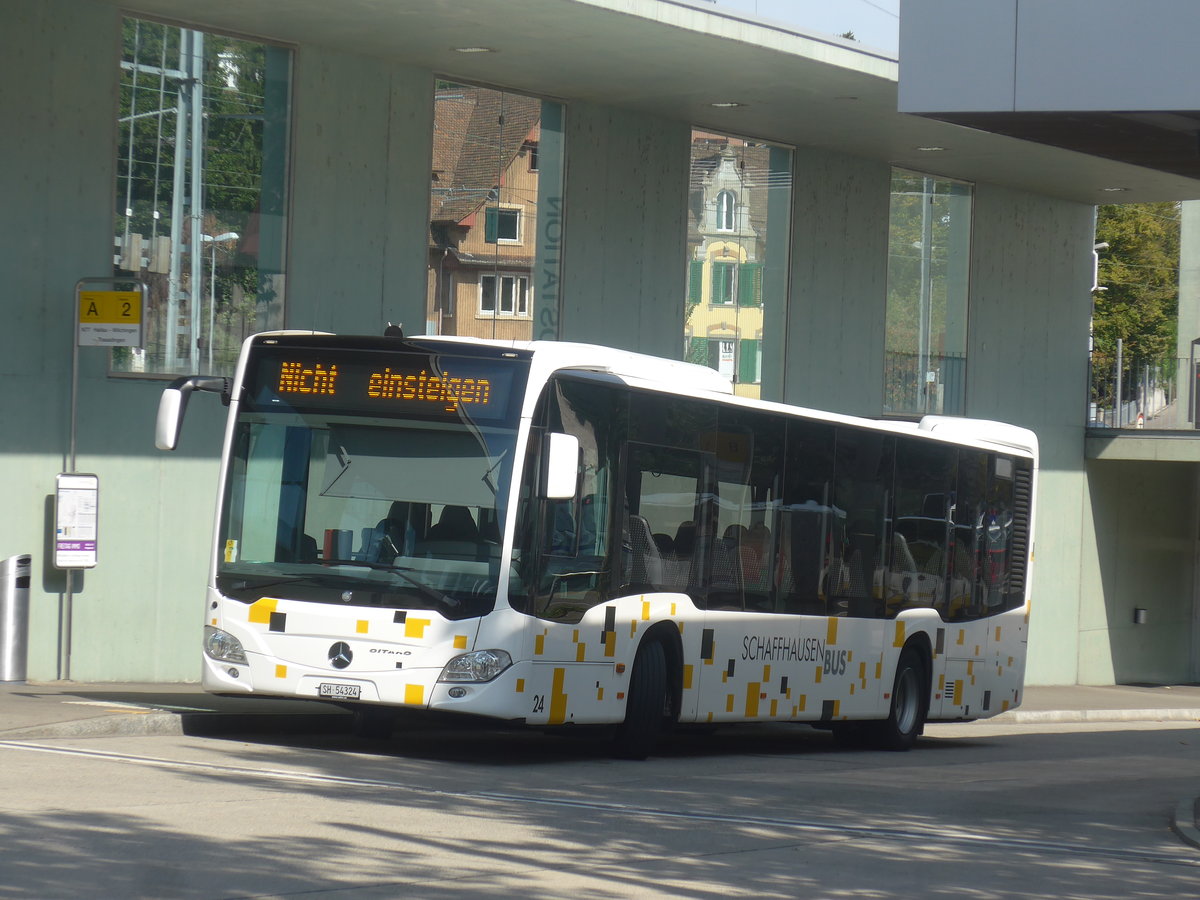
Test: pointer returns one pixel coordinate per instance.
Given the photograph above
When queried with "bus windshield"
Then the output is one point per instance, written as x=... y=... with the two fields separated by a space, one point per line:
x=403 y=507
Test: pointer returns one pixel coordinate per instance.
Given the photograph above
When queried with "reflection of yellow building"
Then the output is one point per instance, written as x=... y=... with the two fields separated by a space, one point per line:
x=726 y=237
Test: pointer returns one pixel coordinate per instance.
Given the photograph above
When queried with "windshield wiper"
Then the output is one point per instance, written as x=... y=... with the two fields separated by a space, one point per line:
x=402 y=571
x=344 y=461
x=365 y=563
x=487 y=476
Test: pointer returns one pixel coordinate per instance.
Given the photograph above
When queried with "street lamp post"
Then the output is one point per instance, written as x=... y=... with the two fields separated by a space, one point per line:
x=212 y=241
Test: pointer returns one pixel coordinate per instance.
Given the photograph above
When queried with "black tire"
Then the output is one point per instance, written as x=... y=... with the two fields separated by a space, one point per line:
x=645 y=704
x=374 y=722
x=910 y=704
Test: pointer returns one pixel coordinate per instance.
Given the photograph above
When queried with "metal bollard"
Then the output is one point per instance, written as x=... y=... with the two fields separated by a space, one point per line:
x=14 y=617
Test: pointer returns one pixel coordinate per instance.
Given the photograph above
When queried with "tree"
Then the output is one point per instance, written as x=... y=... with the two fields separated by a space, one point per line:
x=1140 y=273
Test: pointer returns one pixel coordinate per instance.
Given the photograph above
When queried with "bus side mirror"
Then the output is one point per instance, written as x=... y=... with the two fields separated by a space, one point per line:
x=562 y=466
x=173 y=404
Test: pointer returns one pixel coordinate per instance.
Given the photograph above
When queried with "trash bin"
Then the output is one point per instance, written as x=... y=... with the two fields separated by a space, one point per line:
x=14 y=617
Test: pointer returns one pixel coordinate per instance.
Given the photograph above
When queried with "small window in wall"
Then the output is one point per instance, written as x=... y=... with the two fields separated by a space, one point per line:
x=502 y=225
x=929 y=248
x=200 y=193
x=726 y=210
x=495 y=214
x=739 y=199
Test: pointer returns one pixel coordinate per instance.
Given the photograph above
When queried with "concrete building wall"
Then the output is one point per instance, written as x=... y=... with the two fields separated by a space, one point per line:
x=135 y=612
x=1140 y=547
x=625 y=229
x=1027 y=364
x=359 y=220
x=838 y=287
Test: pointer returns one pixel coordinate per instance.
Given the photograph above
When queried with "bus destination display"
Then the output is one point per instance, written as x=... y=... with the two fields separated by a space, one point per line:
x=377 y=384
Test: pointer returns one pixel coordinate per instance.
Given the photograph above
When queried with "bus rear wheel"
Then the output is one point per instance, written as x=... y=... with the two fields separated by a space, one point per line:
x=910 y=699
x=645 y=704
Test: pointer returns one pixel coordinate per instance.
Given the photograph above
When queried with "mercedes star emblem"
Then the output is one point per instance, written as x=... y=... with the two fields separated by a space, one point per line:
x=340 y=655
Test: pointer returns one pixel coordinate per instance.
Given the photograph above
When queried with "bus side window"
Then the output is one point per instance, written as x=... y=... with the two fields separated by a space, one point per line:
x=998 y=531
x=925 y=477
x=809 y=525
x=662 y=547
x=864 y=464
x=965 y=594
x=749 y=449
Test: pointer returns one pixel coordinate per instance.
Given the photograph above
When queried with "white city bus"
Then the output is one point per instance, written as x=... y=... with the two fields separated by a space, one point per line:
x=562 y=534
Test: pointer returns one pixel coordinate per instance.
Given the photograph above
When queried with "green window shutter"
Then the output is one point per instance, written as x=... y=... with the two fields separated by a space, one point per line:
x=721 y=274
x=748 y=361
x=490 y=221
x=750 y=284
x=695 y=281
x=698 y=351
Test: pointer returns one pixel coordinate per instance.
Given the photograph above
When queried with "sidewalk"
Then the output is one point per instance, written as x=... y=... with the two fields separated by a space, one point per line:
x=71 y=709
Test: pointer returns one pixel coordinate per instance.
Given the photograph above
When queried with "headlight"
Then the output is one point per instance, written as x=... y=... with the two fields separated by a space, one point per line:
x=222 y=645
x=482 y=665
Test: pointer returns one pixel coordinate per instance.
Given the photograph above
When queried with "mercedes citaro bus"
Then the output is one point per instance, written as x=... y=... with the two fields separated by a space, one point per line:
x=562 y=535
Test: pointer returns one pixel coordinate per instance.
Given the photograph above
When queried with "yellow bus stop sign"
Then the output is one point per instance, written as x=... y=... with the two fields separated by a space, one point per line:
x=110 y=318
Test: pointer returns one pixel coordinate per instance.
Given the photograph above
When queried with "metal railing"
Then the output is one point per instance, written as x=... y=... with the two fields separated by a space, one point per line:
x=918 y=385
x=1131 y=393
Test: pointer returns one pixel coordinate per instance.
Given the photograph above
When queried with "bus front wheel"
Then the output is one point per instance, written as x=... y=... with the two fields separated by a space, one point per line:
x=644 y=705
x=910 y=700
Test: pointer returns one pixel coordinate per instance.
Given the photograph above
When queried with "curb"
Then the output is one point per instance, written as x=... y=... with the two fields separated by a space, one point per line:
x=1067 y=716
x=160 y=723
x=150 y=723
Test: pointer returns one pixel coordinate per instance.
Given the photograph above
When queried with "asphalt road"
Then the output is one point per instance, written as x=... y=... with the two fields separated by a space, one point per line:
x=976 y=811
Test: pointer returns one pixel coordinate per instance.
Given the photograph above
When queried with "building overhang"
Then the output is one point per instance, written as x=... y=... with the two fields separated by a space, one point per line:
x=680 y=60
x=1144 y=446
x=1108 y=78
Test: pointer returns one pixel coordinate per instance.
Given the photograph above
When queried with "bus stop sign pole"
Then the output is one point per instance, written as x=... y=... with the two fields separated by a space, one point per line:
x=104 y=317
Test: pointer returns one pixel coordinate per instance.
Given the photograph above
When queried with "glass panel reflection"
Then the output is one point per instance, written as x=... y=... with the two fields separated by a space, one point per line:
x=495 y=213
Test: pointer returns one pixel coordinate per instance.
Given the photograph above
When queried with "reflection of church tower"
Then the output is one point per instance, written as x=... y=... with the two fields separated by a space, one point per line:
x=724 y=323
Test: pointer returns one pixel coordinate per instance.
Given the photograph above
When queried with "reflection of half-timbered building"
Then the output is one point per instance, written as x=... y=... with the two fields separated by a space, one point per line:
x=483 y=213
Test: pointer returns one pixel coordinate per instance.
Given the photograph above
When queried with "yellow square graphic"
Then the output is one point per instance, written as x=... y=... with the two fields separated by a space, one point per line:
x=415 y=628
